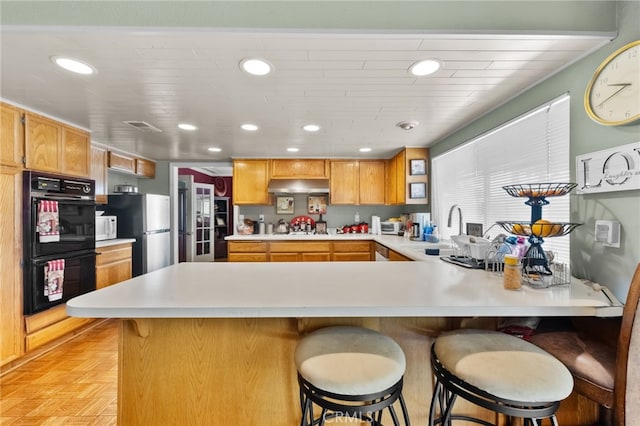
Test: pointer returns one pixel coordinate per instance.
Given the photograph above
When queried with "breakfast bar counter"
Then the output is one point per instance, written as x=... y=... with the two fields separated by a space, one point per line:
x=213 y=343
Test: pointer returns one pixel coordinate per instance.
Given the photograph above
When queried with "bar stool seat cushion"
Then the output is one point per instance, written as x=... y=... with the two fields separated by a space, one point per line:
x=350 y=360
x=504 y=366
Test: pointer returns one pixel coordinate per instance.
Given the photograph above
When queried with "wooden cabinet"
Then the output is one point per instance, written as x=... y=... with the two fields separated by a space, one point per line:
x=247 y=251
x=357 y=182
x=11 y=135
x=131 y=165
x=99 y=173
x=416 y=154
x=394 y=256
x=294 y=251
x=299 y=168
x=343 y=182
x=399 y=177
x=371 y=182
x=250 y=182
x=121 y=162
x=344 y=251
x=75 y=152
x=43 y=139
x=47 y=326
x=396 y=179
x=145 y=168
x=113 y=264
x=11 y=329
x=300 y=251
x=401 y=171
x=54 y=147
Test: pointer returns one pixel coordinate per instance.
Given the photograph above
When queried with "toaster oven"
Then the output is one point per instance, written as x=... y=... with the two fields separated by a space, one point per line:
x=392 y=228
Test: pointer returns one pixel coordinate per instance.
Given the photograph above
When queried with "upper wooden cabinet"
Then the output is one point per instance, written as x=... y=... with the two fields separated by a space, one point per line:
x=121 y=163
x=11 y=136
x=371 y=185
x=299 y=168
x=399 y=177
x=51 y=146
x=145 y=168
x=250 y=182
x=43 y=140
x=343 y=182
x=357 y=182
x=76 y=151
x=99 y=173
x=419 y=179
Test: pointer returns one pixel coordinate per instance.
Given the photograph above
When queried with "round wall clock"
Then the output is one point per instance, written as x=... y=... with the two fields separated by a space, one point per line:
x=612 y=97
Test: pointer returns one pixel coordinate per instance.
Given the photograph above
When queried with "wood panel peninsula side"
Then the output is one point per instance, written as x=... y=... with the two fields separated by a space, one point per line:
x=213 y=343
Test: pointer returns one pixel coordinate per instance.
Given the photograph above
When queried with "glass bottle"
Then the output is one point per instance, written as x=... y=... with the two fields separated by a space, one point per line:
x=512 y=274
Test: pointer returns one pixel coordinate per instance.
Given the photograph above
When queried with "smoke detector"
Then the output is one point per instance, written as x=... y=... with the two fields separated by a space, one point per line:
x=407 y=125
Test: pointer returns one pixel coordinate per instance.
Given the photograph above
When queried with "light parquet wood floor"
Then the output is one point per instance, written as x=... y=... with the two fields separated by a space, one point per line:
x=76 y=383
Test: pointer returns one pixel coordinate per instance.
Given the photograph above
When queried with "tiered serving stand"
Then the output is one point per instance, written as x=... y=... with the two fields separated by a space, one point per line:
x=535 y=264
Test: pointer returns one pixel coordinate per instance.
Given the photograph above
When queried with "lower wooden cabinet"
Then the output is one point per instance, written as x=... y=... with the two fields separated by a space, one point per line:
x=294 y=251
x=113 y=264
x=47 y=326
x=394 y=256
x=300 y=251
x=247 y=251
x=348 y=251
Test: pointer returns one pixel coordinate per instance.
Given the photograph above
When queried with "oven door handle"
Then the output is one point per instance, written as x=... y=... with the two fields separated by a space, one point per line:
x=87 y=200
x=79 y=255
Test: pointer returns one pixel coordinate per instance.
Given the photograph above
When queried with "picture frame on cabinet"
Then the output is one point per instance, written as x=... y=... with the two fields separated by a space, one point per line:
x=418 y=167
x=284 y=205
x=417 y=190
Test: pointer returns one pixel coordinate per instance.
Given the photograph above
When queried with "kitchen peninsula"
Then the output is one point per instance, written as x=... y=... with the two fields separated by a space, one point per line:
x=212 y=343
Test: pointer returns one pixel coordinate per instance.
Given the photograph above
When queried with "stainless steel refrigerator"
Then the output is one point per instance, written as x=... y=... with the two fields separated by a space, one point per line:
x=147 y=218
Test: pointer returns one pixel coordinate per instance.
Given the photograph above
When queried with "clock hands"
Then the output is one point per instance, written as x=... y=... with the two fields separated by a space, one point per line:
x=624 y=85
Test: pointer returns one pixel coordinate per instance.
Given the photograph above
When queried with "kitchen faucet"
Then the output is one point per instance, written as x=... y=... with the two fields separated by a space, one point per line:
x=450 y=217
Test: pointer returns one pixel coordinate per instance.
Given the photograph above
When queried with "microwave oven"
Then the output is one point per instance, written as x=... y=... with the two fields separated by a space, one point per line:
x=106 y=228
x=392 y=228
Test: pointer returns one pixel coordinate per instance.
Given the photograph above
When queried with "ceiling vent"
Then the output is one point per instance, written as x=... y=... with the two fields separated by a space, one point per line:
x=143 y=126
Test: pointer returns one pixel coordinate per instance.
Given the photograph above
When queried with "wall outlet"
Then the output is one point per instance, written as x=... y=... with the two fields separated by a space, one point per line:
x=608 y=233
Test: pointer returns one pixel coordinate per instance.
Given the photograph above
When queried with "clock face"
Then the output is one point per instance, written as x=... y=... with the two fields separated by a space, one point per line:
x=613 y=94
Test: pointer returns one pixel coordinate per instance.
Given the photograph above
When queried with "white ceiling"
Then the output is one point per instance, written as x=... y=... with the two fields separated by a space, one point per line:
x=355 y=85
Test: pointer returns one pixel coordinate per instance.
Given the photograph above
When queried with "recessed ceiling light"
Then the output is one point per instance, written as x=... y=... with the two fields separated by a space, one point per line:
x=73 y=65
x=311 y=128
x=213 y=149
x=249 y=127
x=293 y=149
x=186 y=126
x=426 y=67
x=365 y=149
x=255 y=66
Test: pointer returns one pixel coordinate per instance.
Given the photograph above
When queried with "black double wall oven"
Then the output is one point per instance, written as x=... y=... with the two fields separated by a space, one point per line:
x=59 y=239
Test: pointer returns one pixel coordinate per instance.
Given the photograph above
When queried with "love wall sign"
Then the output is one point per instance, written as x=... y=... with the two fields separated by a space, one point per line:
x=615 y=169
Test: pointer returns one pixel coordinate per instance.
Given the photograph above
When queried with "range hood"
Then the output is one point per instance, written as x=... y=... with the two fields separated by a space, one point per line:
x=298 y=186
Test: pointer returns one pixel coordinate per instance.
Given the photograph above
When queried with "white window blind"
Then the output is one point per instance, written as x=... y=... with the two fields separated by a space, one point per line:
x=533 y=148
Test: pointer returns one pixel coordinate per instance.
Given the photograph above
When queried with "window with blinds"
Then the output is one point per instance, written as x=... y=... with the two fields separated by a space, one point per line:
x=532 y=148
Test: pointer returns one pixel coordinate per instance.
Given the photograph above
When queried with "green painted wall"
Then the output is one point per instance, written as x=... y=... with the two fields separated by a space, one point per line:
x=608 y=266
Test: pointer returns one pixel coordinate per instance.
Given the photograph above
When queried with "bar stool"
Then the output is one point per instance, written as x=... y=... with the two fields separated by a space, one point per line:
x=350 y=372
x=499 y=372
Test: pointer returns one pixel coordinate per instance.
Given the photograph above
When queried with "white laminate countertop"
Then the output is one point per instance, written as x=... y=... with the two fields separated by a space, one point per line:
x=429 y=288
x=115 y=241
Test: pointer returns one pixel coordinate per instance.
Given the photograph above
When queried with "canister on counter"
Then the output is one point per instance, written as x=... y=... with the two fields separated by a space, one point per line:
x=512 y=274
